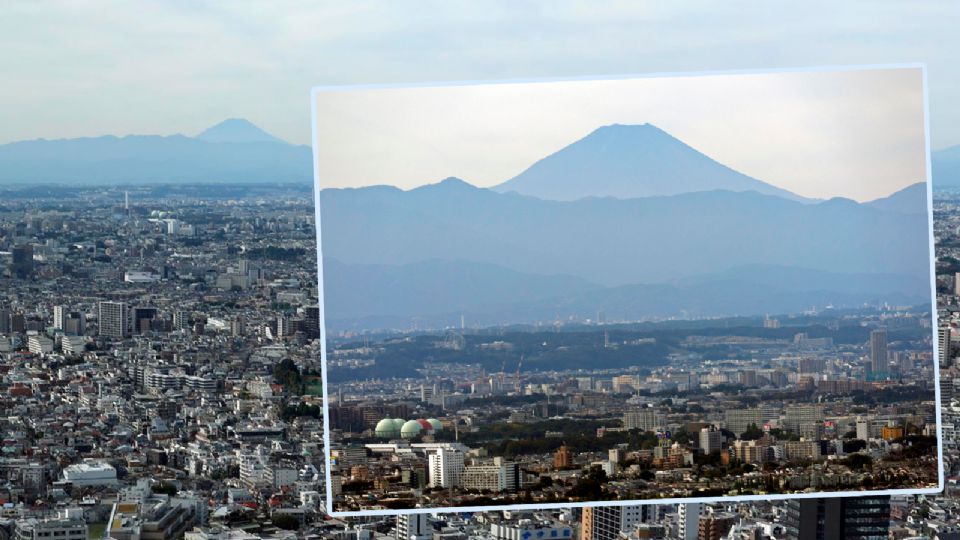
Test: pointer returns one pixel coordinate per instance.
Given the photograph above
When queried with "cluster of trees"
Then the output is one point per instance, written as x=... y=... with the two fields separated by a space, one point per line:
x=289 y=375
x=563 y=350
x=291 y=411
x=509 y=401
x=917 y=446
x=357 y=486
x=853 y=445
x=165 y=489
x=535 y=430
x=578 y=443
x=891 y=394
x=590 y=486
x=285 y=522
x=752 y=433
x=570 y=348
x=858 y=462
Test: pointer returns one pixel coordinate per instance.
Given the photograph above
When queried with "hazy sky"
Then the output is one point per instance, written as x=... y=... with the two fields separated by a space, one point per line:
x=856 y=134
x=92 y=68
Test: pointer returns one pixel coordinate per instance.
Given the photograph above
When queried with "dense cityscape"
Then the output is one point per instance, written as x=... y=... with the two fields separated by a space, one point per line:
x=830 y=402
x=160 y=380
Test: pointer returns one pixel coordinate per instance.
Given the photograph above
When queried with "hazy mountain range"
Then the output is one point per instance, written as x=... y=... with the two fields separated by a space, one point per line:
x=447 y=248
x=619 y=241
x=627 y=220
x=234 y=151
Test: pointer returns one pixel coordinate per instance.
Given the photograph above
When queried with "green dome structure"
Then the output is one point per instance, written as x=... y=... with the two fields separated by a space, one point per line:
x=387 y=429
x=437 y=426
x=411 y=429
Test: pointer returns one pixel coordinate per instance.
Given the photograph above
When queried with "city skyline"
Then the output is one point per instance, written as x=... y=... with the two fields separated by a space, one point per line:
x=221 y=285
x=766 y=419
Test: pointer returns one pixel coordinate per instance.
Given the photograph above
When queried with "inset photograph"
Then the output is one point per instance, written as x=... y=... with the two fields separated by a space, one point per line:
x=681 y=288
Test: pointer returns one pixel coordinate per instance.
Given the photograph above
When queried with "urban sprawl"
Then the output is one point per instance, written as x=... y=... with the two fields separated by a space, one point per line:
x=160 y=379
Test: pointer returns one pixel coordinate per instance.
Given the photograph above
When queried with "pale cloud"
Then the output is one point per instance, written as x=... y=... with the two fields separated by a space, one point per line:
x=74 y=69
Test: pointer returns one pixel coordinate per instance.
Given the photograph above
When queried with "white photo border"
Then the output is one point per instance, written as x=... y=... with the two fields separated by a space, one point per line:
x=316 y=91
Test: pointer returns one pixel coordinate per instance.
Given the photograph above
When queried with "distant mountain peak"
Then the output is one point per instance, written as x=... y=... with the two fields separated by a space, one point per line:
x=626 y=130
x=630 y=161
x=616 y=126
x=454 y=181
x=450 y=183
x=237 y=130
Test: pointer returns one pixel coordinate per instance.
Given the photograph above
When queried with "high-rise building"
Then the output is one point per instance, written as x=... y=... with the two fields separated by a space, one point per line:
x=747 y=377
x=284 y=326
x=238 y=326
x=250 y=271
x=878 y=351
x=811 y=365
x=646 y=419
x=740 y=420
x=74 y=323
x=59 y=317
x=562 y=458
x=18 y=323
x=863 y=429
x=715 y=526
x=114 y=319
x=446 y=468
x=607 y=522
x=181 y=320
x=142 y=318
x=22 y=267
x=413 y=527
x=802 y=419
x=5 y=320
x=956 y=283
x=751 y=451
x=311 y=317
x=943 y=345
x=710 y=440
x=846 y=518
x=688 y=524
x=498 y=475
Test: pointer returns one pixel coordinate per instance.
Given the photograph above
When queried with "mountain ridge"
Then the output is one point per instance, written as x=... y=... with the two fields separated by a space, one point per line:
x=133 y=159
x=259 y=156
x=617 y=241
